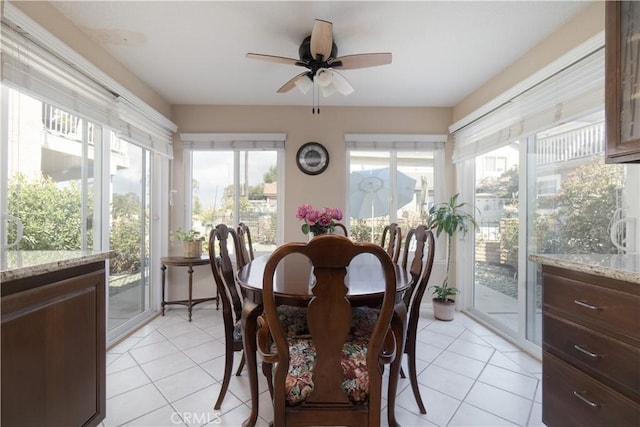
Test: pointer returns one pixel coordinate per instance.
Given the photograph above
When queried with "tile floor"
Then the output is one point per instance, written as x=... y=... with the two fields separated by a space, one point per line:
x=168 y=373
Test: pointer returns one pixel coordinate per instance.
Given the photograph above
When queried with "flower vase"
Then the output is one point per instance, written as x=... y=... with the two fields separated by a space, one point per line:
x=311 y=234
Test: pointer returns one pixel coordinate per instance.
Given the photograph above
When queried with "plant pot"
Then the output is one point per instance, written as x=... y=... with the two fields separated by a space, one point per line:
x=192 y=249
x=443 y=310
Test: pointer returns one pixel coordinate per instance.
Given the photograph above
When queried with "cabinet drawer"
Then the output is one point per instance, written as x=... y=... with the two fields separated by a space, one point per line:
x=609 y=360
x=572 y=398
x=616 y=311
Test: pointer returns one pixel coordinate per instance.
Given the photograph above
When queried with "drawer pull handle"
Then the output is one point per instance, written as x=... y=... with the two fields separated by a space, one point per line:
x=586 y=305
x=583 y=350
x=579 y=395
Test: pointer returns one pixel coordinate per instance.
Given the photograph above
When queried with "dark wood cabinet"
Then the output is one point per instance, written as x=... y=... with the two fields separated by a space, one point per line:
x=591 y=350
x=53 y=348
x=622 y=83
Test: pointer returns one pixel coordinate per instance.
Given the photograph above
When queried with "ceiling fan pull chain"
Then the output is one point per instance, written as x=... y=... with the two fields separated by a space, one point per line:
x=315 y=89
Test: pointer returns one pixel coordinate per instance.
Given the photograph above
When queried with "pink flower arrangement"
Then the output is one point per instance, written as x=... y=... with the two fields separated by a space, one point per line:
x=320 y=221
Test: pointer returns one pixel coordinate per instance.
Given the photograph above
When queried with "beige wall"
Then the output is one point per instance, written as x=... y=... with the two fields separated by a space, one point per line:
x=300 y=126
x=584 y=26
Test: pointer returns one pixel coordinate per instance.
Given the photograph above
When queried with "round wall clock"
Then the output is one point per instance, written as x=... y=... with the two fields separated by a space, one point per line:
x=312 y=158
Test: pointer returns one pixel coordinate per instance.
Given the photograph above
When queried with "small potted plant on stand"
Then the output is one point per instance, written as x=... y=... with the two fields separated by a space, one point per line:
x=448 y=217
x=191 y=242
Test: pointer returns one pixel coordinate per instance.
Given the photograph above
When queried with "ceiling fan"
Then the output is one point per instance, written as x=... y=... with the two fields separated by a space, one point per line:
x=318 y=54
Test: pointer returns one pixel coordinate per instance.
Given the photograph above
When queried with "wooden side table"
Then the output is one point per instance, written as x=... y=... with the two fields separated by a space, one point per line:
x=178 y=261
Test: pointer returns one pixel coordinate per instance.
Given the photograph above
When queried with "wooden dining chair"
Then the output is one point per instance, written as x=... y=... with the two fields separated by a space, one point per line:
x=245 y=247
x=231 y=295
x=341 y=229
x=392 y=240
x=330 y=376
x=420 y=270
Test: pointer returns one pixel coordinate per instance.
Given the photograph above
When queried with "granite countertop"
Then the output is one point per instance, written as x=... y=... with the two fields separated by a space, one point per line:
x=22 y=264
x=620 y=267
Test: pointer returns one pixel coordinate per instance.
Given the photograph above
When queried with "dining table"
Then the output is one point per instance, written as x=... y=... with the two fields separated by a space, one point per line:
x=293 y=282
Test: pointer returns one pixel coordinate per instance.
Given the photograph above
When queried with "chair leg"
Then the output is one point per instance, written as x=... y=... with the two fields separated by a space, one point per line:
x=228 y=366
x=241 y=366
x=266 y=371
x=411 y=359
x=402 y=375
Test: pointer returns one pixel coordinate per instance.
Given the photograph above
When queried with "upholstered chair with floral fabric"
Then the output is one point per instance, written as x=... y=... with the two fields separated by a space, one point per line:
x=328 y=376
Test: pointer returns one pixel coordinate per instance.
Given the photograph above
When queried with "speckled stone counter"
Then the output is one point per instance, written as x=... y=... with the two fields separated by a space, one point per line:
x=23 y=264
x=620 y=267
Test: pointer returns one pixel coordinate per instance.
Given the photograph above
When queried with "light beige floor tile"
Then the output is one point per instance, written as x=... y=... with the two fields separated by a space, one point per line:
x=199 y=406
x=163 y=417
x=183 y=383
x=469 y=349
x=499 y=402
x=167 y=365
x=469 y=336
x=151 y=338
x=125 y=345
x=435 y=339
x=440 y=407
x=522 y=385
x=153 y=351
x=526 y=361
x=446 y=381
x=460 y=364
x=535 y=420
x=500 y=343
x=133 y=404
x=191 y=339
x=205 y=352
x=121 y=362
x=125 y=380
x=451 y=329
x=470 y=416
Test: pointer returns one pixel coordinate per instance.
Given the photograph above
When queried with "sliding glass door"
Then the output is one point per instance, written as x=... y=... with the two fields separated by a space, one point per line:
x=129 y=284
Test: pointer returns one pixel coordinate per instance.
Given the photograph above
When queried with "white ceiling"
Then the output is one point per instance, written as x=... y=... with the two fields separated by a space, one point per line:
x=194 y=52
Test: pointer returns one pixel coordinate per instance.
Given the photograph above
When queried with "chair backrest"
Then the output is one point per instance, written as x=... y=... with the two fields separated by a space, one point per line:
x=422 y=261
x=341 y=229
x=223 y=274
x=329 y=318
x=420 y=269
x=245 y=246
x=392 y=240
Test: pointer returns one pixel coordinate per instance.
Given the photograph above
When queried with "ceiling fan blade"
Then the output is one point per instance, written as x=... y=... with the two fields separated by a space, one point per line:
x=292 y=83
x=271 y=58
x=362 y=60
x=321 y=39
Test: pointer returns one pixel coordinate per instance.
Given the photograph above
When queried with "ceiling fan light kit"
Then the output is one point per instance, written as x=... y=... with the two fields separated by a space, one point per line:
x=319 y=54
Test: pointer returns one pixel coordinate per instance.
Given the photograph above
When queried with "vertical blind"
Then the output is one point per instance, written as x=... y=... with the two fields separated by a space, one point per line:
x=34 y=70
x=573 y=91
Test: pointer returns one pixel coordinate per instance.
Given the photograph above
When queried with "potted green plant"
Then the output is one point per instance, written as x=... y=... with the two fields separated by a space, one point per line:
x=448 y=217
x=191 y=242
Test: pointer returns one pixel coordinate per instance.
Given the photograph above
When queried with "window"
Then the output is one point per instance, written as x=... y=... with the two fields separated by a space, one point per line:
x=556 y=194
x=230 y=181
x=81 y=169
x=49 y=188
x=395 y=182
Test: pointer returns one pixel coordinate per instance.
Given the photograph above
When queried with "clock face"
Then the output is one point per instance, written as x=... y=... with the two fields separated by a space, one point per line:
x=312 y=158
